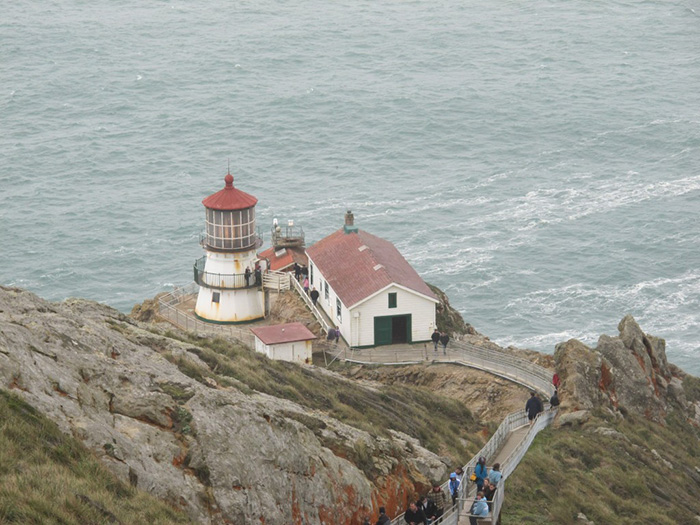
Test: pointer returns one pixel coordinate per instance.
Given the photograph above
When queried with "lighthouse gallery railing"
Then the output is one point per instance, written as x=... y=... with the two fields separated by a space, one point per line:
x=224 y=281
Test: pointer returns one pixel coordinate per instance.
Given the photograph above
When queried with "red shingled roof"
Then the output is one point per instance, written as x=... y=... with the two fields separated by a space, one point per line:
x=230 y=198
x=360 y=264
x=286 y=260
x=283 y=333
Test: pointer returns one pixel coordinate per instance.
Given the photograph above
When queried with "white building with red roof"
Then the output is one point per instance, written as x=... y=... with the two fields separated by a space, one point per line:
x=369 y=290
x=286 y=342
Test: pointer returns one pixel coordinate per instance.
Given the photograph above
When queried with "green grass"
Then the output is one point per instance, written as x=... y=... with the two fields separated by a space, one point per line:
x=609 y=479
x=47 y=477
x=444 y=426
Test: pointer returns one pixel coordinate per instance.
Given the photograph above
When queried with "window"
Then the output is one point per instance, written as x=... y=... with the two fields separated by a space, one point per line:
x=326 y=282
x=311 y=274
x=338 y=308
x=392 y=300
x=215 y=296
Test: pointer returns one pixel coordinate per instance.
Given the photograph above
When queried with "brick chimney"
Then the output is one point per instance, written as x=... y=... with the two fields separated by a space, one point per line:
x=350 y=223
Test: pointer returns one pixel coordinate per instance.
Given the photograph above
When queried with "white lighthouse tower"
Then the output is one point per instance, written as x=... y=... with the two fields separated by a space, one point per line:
x=227 y=292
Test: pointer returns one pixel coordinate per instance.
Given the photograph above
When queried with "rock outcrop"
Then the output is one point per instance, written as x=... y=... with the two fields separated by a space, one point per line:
x=219 y=453
x=448 y=319
x=628 y=372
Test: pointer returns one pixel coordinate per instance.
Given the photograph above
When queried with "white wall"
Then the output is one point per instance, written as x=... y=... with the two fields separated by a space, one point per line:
x=298 y=351
x=359 y=331
x=329 y=306
x=422 y=312
x=234 y=306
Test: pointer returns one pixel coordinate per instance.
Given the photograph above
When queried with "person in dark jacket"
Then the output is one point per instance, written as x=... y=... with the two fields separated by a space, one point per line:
x=444 y=339
x=247 y=275
x=428 y=508
x=554 y=401
x=435 y=338
x=533 y=407
x=414 y=515
x=314 y=295
x=297 y=271
x=383 y=518
x=489 y=491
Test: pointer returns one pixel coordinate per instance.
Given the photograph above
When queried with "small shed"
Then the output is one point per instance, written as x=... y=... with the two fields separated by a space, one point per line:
x=285 y=342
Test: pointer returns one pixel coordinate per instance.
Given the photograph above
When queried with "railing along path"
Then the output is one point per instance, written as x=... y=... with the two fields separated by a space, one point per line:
x=494 y=361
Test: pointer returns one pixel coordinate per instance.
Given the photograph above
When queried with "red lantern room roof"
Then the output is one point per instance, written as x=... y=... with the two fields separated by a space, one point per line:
x=230 y=198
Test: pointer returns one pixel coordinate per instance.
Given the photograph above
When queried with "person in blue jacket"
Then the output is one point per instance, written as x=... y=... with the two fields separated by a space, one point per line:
x=495 y=474
x=480 y=509
x=481 y=472
x=454 y=487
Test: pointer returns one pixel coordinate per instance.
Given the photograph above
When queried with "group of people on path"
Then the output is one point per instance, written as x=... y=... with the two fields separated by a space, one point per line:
x=486 y=484
x=442 y=338
x=430 y=507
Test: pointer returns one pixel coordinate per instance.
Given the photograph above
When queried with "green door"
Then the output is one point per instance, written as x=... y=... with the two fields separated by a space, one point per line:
x=382 y=330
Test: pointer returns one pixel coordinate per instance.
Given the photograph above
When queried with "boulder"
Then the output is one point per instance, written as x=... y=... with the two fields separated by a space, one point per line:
x=581 y=373
x=576 y=418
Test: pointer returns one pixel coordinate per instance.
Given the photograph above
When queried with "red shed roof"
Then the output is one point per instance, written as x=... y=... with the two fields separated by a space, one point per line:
x=230 y=198
x=283 y=333
x=286 y=258
x=357 y=265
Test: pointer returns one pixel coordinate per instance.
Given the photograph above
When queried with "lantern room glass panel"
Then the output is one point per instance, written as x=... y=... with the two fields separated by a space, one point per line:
x=231 y=229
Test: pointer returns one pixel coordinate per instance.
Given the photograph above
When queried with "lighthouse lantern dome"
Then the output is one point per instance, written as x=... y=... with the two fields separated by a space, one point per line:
x=230 y=219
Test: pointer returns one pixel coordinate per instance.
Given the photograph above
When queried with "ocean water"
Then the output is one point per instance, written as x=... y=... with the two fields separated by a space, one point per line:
x=539 y=161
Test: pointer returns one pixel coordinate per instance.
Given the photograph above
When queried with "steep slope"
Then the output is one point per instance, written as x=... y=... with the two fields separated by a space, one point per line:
x=48 y=477
x=626 y=447
x=218 y=431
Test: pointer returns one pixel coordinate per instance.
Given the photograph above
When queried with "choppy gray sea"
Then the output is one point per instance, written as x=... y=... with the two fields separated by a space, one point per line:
x=540 y=160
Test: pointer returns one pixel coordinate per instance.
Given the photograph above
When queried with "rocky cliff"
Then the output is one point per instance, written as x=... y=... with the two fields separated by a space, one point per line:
x=172 y=417
x=625 y=447
x=628 y=373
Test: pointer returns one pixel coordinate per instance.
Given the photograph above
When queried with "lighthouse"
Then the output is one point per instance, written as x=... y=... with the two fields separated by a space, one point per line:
x=230 y=287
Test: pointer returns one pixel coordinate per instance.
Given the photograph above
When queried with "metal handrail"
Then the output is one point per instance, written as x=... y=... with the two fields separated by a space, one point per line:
x=224 y=281
x=494 y=361
x=167 y=309
x=510 y=367
x=310 y=304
